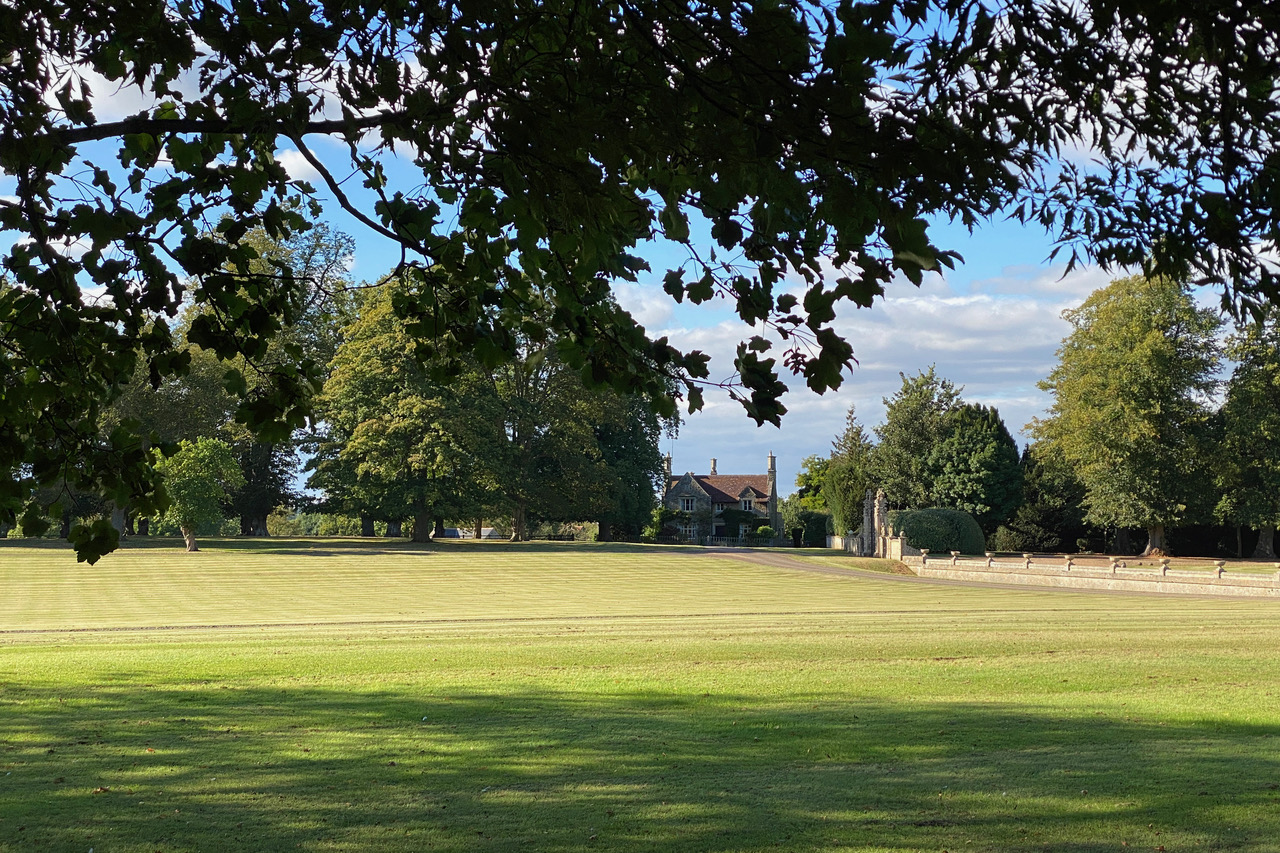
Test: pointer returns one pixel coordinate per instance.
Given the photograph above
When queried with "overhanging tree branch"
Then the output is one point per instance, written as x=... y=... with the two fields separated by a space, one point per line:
x=164 y=126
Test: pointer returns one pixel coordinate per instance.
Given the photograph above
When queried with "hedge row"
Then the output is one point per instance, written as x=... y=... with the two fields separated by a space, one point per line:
x=939 y=530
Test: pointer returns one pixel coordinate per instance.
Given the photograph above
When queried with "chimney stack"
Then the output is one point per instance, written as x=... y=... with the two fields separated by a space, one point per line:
x=666 y=470
x=713 y=465
x=775 y=521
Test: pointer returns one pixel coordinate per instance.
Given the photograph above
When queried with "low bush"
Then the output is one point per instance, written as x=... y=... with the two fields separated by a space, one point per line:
x=814 y=527
x=939 y=530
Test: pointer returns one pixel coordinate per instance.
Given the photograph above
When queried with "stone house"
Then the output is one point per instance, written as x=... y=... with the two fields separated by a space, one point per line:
x=705 y=497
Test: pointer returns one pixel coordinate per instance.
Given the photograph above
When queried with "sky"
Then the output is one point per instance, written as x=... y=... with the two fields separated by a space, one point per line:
x=991 y=326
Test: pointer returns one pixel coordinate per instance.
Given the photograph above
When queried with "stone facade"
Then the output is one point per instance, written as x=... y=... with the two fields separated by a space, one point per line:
x=705 y=497
x=876 y=538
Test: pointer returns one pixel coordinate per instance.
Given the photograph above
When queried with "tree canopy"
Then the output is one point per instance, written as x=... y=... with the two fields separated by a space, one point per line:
x=199 y=478
x=556 y=142
x=1248 y=461
x=1131 y=396
x=974 y=467
x=524 y=439
x=915 y=423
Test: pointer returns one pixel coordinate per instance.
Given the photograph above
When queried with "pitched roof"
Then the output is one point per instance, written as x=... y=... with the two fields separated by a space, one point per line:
x=728 y=488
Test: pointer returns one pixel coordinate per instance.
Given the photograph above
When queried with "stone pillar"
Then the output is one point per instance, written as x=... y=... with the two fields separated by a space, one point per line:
x=881 y=524
x=868 y=524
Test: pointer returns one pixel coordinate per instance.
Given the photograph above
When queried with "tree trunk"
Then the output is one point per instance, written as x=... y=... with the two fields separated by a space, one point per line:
x=422 y=527
x=1266 y=542
x=130 y=525
x=64 y=528
x=517 y=523
x=144 y=527
x=366 y=524
x=478 y=533
x=253 y=525
x=1122 y=544
x=437 y=530
x=189 y=537
x=395 y=529
x=1155 y=541
x=118 y=521
x=605 y=533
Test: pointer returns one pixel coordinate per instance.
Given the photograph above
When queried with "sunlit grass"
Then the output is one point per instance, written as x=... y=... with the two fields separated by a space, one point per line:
x=580 y=697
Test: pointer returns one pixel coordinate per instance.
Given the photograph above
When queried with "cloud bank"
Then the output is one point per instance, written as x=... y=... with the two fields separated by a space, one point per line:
x=997 y=337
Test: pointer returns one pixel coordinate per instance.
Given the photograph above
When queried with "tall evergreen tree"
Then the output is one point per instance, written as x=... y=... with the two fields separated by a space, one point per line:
x=1050 y=516
x=914 y=424
x=974 y=467
x=848 y=475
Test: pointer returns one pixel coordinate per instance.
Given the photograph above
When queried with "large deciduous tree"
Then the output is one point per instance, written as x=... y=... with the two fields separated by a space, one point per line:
x=401 y=441
x=1131 y=395
x=1249 y=458
x=316 y=261
x=198 y=479
x=552 y=141
x=810 y=480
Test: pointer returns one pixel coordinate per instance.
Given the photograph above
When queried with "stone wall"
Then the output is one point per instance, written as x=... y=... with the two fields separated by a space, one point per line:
x=1062 y=573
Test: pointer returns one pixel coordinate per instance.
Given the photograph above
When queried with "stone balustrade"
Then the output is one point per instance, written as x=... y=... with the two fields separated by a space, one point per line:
x=1080 y=572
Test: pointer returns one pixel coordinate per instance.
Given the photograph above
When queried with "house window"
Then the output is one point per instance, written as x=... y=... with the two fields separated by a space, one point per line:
x=746 y=504
x=686 y=504
x=686 y=531
x=742 y=531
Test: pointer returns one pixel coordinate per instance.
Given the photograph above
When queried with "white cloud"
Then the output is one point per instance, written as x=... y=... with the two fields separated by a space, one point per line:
x=297 y=166
x=648 y=304
x=997 y=341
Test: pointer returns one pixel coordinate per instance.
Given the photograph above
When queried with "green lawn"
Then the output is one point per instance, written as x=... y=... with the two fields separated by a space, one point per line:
x=358 y=696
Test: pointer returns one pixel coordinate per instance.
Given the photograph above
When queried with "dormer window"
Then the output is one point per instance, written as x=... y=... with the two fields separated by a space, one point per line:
x=746 y=504
x=686 y=504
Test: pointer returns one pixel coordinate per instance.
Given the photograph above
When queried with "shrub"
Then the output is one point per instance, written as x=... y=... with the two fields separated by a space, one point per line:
x=939 y=530
x=814 y=528
x=764 y=532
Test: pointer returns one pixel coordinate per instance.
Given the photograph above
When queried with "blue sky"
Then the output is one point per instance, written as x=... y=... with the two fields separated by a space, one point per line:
x=992 y=326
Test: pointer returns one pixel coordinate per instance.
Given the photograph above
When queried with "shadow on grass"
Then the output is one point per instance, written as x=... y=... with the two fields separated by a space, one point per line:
x=209 y=767
x=339 y=546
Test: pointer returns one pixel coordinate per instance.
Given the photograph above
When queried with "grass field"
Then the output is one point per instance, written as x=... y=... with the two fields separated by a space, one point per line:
x=345 y=695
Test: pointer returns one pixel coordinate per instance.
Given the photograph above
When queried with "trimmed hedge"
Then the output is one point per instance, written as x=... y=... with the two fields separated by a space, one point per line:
x=939 y=530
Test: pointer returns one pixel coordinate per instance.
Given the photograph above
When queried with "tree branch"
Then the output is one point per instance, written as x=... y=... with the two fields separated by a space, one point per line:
x=163 y=126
